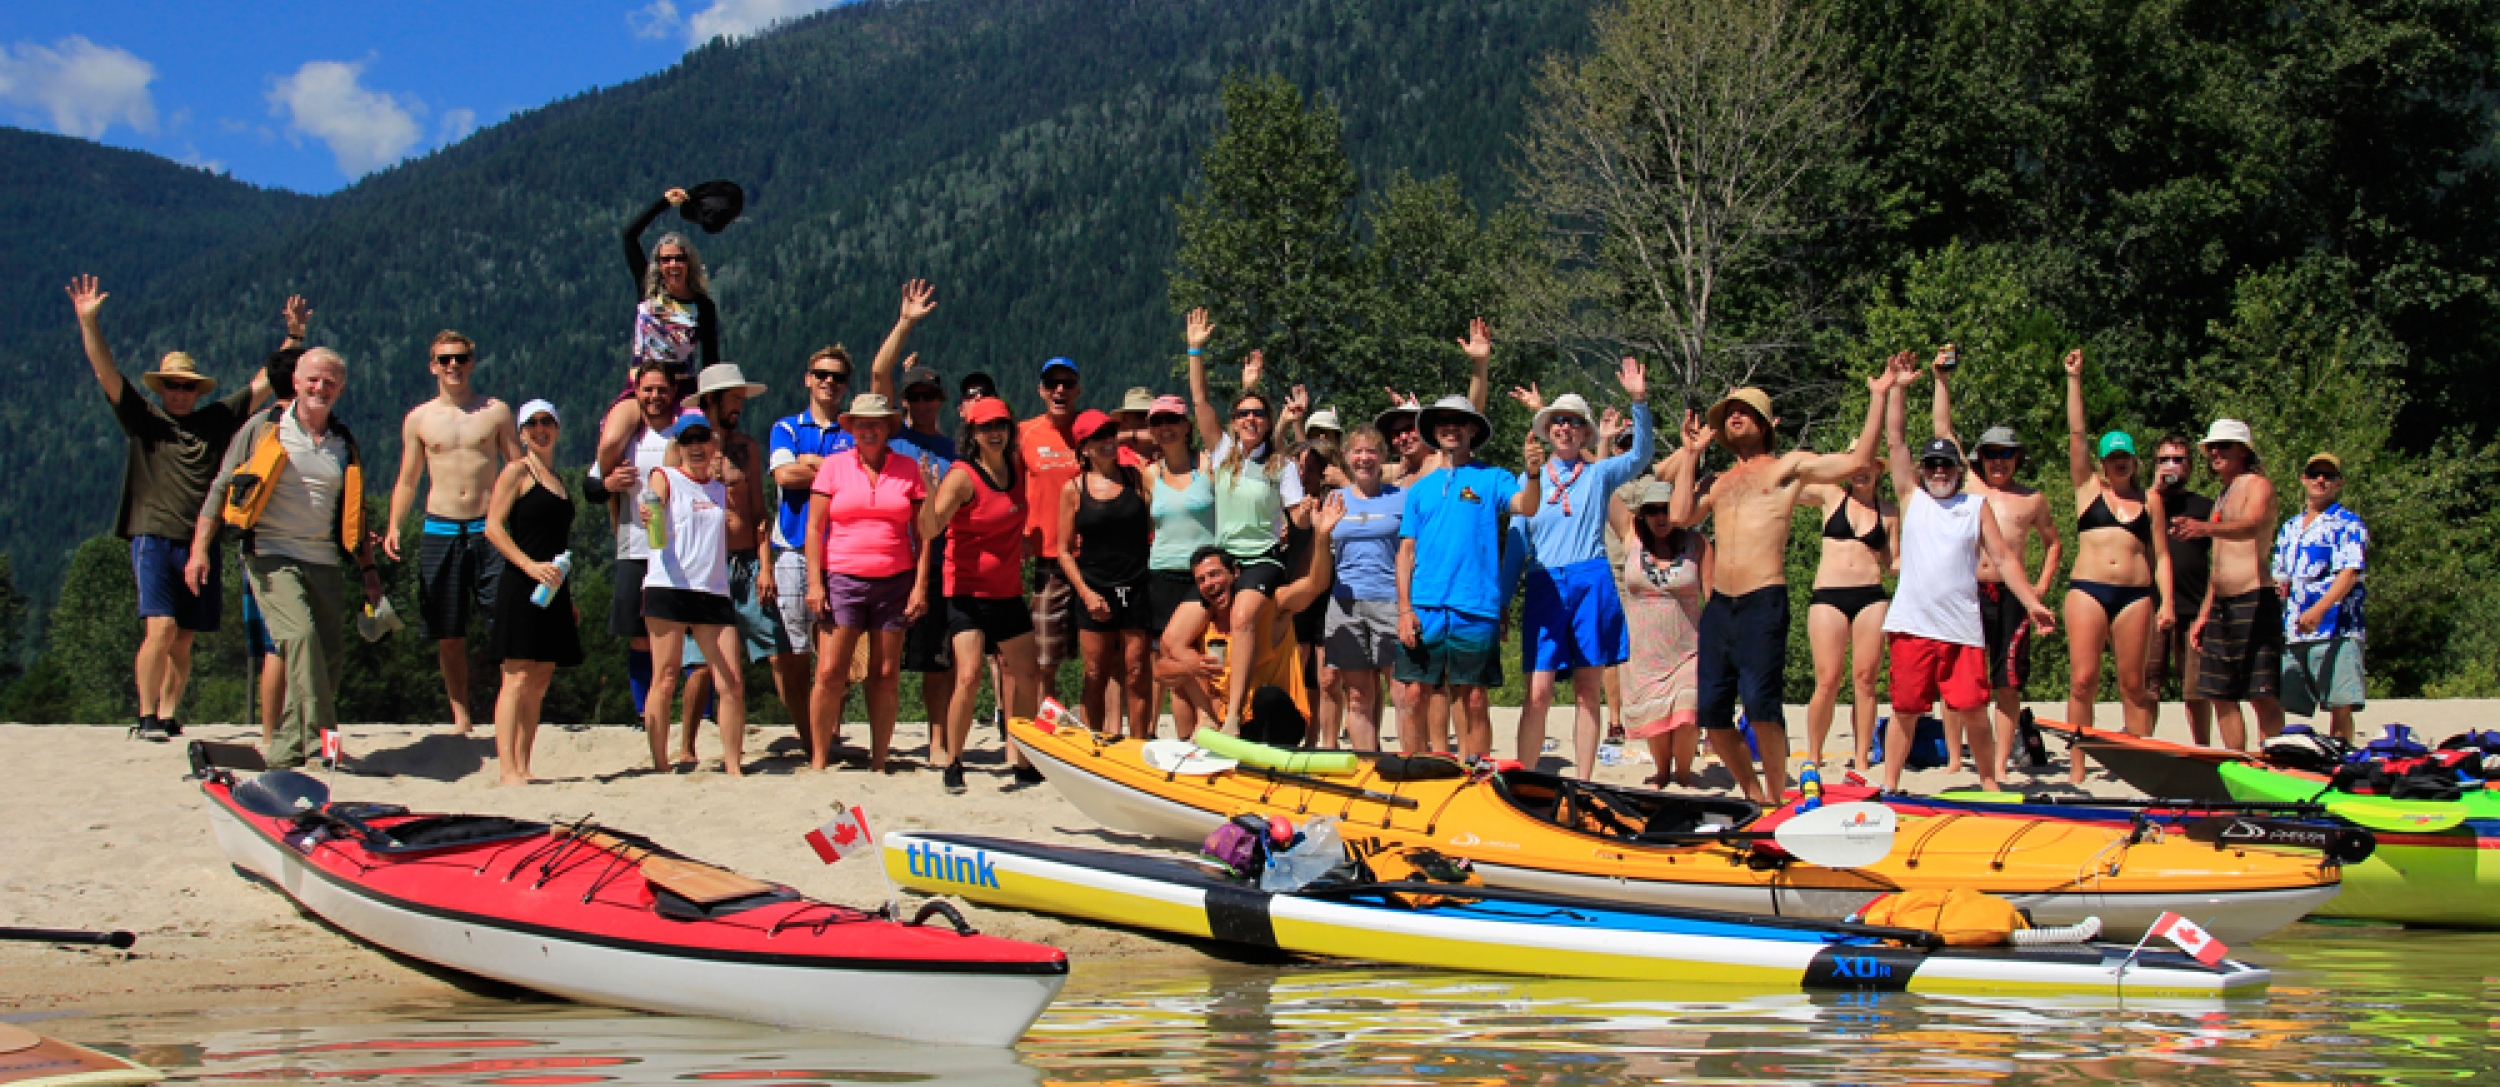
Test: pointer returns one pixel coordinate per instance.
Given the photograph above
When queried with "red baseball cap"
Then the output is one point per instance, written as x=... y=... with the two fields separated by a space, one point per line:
x=988 y=409
x=1091 y=423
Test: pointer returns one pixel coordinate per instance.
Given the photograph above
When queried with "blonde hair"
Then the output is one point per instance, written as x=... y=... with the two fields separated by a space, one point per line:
x=694 y=267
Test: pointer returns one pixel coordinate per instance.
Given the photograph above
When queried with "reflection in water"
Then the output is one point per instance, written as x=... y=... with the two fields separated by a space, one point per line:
x=2350 y=1003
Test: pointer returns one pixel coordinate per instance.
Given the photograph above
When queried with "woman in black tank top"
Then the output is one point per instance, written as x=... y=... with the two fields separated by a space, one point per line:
x=1105 y=519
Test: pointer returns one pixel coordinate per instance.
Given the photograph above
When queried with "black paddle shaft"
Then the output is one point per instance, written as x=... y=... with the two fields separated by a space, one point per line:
x=69 y=936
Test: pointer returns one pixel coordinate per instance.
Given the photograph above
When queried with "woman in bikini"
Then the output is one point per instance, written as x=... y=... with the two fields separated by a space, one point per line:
x=2119 y=559
x=1845 y=621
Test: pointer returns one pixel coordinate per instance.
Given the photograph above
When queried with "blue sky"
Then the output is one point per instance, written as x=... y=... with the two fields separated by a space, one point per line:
x=311 y=95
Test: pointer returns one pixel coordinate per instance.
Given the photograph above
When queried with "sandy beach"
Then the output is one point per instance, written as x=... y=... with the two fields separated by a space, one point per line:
x=104 y=834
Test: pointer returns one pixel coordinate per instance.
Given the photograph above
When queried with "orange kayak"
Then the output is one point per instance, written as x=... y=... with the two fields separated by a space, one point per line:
x=1543 y=832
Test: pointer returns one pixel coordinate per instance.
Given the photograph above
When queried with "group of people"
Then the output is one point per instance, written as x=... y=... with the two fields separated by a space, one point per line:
x=1259 y=567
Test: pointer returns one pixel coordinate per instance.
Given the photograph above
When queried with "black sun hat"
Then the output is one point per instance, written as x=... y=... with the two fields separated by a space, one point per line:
x=713 y=205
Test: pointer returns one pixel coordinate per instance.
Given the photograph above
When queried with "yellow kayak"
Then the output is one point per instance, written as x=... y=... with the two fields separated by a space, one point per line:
x=1542 y=832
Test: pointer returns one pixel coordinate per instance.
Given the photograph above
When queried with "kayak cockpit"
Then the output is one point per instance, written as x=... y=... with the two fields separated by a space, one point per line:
x=1620 y=813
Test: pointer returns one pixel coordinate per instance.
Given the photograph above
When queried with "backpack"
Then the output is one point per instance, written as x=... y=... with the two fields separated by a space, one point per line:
x=1927 y=750
x=2484 y=740
x=1240 y=845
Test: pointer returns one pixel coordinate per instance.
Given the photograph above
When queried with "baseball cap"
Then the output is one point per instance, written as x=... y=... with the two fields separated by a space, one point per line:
x=2117 y=441
x=1940 y=449
x=1090 y=424
x=1168 y=404
x=988 y=409
x=534 y=409
x=2323 y=455
x=687 y=427
x=1057 y=361
x=921 y=375
x=1999 y=437
x=978 y=383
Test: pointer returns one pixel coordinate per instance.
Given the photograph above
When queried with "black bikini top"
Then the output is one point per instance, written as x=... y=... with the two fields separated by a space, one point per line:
x=1837 y=527
x=2098 y=516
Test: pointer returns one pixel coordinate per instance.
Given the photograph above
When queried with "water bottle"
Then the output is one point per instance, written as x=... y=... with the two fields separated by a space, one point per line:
x=654 y=519
x=1809 y=788
x=545 y=594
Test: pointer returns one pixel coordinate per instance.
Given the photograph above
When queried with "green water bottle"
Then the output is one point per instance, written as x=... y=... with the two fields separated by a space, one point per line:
x=654 y=519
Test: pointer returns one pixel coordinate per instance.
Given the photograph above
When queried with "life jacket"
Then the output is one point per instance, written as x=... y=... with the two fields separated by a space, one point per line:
x=2397 y=743
x=247 y=493
x=2485 y=740
x=1965 y=918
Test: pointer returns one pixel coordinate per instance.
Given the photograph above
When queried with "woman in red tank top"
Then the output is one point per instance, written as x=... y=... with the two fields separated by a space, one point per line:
x=980 y=506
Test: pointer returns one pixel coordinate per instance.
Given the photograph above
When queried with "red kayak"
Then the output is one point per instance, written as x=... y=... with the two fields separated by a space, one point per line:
x=2156 y=768
x=602 y=917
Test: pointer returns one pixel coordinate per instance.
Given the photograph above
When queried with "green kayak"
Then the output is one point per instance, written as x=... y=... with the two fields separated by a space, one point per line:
x=2438 y=861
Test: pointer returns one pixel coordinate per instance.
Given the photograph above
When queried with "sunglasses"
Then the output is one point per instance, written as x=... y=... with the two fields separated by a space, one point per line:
x=838 y=377
x=1567 y=420
x=1936 y=466
x=173 y=385
x=923 y=396
x=1057 y=383
x=2327 y=474
x=2170 y=460
x=462 y=358
x=539 y=420
x=1249 y=413
x=673 y=258
x=1996 y=454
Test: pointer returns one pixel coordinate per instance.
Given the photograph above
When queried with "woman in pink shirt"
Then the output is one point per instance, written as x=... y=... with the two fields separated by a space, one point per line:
x=862 y=576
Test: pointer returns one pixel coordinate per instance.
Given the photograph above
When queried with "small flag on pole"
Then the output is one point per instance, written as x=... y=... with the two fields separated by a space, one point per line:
x=1052 y=716
x=845 y=835
x=2191 y=938
x=330 y=747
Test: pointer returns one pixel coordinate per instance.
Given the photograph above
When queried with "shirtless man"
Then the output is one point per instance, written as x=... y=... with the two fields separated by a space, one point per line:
x=1744 y=627
x=722 y=391
x=2021 y=512
x=2239 y=629
x=463 y=439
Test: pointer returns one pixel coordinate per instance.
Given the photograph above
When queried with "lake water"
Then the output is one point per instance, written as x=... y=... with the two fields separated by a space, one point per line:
x=2350 y=1003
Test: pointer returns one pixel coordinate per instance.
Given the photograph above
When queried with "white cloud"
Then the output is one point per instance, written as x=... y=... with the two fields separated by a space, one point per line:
x=366 y=129
x=739 y=18
x=658 y=20
x=83 y=87
x=457 y=124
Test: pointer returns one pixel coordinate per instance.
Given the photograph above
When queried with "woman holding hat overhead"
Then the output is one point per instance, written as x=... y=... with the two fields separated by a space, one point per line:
x=529 y=518
x=1255 y=492
x=675 y=321
x=2119 y=559
x=863 y=575
x=1571 y=616
x=685 y=589
x=1104 y=515
x=980 y=507
x=1845 y=616
x=1664 y=579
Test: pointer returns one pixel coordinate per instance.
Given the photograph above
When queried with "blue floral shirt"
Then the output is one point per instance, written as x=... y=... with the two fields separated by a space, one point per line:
x=2306 y=559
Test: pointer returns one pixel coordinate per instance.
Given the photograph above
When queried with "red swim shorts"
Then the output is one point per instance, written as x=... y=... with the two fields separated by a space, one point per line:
x=1924 y=667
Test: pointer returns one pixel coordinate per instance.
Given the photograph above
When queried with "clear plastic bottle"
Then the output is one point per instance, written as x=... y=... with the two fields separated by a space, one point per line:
x=545 y=594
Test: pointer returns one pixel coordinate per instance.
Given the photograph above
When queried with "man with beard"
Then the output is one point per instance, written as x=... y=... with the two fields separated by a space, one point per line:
x=2021 y=512
x=1193 y=658
x=1933 y=628
x=2190 y=561
x=620 y=476
x=722 y=391
x=1744 y=627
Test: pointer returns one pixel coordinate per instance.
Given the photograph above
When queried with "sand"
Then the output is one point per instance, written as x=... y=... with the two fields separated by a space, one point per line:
x=102 y=833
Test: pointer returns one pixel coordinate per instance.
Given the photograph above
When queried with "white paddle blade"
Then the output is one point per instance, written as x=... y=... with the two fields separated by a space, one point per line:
x=1183 y=757
x=1840 y=835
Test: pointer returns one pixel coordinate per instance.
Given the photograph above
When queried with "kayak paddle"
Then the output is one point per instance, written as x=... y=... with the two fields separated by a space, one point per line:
x=2399 y=816
x=68 y=936
x=1833 y=836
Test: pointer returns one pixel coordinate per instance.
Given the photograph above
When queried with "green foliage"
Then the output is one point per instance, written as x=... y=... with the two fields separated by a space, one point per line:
x=1977 y=298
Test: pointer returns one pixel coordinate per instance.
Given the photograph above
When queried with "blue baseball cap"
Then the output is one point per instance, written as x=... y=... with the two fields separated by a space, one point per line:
x=1058 y=360
x=688 y=421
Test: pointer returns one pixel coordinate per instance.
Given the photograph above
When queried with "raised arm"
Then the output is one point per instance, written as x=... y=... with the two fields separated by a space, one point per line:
x=1942 y=410
x=1531 y=478
x=1634 y=378
x=1202 y=402
x=404 y=491
x=87 y=299
x=2078 y=436
x=952 y=492
x=636 y=261
x=1839 y=467
x=1896 y=449
x=1683 y=505
x=1318 y=560
x=919 y=301
x=1478 y=344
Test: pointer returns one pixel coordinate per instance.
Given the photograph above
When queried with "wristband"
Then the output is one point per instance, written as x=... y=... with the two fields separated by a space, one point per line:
x=1194 y=352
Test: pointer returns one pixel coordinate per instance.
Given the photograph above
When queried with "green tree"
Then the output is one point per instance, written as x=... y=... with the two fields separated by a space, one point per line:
x=1267 y=236
x=1429 y=265
x=13 y=607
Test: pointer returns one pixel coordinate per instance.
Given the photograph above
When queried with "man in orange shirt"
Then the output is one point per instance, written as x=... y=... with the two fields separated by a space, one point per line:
x=1047 y=443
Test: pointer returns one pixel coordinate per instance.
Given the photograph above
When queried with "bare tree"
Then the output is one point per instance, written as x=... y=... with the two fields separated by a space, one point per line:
x=1673 y=165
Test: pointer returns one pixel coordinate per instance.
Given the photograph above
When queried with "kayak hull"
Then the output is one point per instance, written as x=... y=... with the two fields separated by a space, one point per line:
x=51 y=1062
x=2061 y=872
x=955 y=1003
x=1545 y=937
x=2159 y=769
x=2442 y=877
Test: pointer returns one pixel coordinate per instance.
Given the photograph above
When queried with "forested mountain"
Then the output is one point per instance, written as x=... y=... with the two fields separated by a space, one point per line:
x=134 y=219
x=1022 y=154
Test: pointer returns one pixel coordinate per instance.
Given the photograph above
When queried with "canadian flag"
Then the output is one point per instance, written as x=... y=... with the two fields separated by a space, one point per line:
x=2191 y=938
x=1052 y=716
x=845 y=835
x=330 y=749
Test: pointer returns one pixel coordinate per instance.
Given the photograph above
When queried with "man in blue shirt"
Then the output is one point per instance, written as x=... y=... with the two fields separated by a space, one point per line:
x=798 y=447
x=1449 y=571
x=2319 y=557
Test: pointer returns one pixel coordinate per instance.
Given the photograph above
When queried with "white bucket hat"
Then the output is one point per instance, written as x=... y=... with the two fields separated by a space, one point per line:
x=2229 y=430
x=1324 y=419
x=724 y=375
x=1566 y=404
x=1455 y=405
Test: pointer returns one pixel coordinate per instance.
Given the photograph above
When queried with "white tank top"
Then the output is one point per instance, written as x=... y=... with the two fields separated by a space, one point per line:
x=1939 y=592
x=697 y=558
x=650 y=447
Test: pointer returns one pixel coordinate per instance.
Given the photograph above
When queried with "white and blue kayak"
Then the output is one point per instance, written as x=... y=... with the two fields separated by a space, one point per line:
x=1509 y=931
